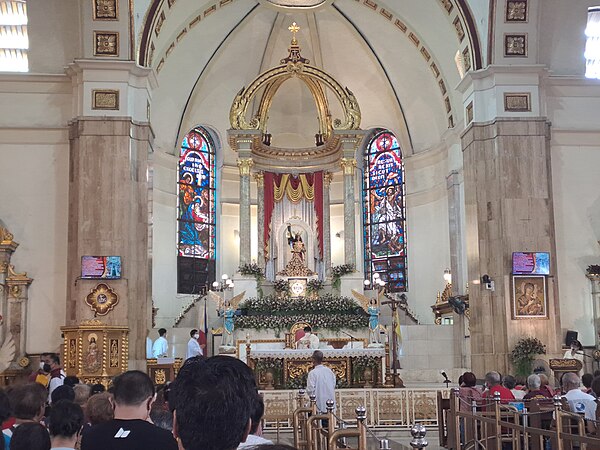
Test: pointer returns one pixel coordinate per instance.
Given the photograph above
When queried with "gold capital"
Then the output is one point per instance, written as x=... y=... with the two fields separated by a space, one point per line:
x=245 y=165
x=327 y=178
x=260 y=179
x=348 y=165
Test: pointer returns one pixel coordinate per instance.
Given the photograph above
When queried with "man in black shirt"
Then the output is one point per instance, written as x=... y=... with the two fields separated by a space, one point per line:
x=129 y=430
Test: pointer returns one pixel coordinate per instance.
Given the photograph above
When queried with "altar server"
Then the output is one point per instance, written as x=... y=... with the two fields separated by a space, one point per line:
x=193 y=347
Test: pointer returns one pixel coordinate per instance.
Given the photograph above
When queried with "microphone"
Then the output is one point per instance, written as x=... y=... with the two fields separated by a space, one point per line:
x=347 y=334
x=446 y=379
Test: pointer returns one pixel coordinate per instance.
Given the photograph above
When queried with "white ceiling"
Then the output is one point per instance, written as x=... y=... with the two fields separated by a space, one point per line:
x=362 y=49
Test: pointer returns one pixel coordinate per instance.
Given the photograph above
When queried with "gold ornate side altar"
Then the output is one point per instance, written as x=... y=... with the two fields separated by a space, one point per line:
x=353 y=367
x=95 y=352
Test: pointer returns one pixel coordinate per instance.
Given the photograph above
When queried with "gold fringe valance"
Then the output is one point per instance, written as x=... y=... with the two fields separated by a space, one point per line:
x=295 y=187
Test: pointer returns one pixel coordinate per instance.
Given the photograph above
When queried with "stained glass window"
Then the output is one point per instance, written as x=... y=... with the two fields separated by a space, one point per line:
x=196 y=222
x=384 y=211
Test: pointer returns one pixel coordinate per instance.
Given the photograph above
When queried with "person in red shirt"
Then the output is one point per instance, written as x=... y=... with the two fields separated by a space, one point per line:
x=493 y=385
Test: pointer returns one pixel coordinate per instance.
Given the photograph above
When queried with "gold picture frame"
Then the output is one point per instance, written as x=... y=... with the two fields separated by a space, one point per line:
x=529 y=297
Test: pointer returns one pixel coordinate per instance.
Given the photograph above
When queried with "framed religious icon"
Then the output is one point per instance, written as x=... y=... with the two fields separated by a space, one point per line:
x=529 y=300
x=297 y=287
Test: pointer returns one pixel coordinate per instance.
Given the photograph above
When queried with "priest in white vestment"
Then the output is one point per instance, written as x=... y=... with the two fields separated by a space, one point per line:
x=193 y=346
x=321 y=382
x=309 y=340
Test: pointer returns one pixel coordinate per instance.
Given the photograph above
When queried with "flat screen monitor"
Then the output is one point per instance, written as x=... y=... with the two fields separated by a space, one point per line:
x=101 y=267
x=531 y=263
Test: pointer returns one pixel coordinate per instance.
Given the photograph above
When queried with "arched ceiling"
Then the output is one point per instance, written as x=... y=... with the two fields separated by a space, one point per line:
x=398 y=57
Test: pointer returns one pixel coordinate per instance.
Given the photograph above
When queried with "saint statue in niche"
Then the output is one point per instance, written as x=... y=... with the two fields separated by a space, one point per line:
x=92 y=356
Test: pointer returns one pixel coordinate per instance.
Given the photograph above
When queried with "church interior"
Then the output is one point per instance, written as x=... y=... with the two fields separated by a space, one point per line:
x=414 y=181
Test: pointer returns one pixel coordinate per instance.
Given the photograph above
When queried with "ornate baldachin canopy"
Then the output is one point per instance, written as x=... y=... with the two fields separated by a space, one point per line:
x=269 y=83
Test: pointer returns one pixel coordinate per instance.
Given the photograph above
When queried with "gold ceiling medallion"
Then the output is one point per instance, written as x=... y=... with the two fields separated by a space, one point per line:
x=317 y=81
x=102 y=299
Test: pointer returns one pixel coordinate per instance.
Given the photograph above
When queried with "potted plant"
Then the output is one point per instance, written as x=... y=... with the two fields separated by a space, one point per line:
x=524 y=352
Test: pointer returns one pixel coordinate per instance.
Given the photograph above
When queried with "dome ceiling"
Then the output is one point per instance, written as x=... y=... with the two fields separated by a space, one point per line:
x=400 y=67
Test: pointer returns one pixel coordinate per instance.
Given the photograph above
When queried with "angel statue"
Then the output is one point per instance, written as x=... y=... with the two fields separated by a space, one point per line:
x=226 y=309
x=371 y=306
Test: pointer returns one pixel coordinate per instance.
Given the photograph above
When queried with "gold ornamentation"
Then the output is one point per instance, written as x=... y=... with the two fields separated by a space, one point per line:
x=294 y=29
x=114 y=353
x=3 y=266
x=517 y=102
x=515 y=45
x=244 y=166
x=93 y=358
x=327 y=179
x=105 y=99
x=15 y=290
x=102 y=299
x=260 y=179
x=92 y=323
x=23 y=361
x=516 y=11
x=304 y=189
x=6 y=237
x=72 y=353
x=348 y=165
x=106 y=43
x=106 y=10
x=160 y=377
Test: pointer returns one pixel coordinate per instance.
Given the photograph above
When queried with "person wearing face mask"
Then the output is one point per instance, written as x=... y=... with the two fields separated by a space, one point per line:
x=42 y=375
x=133 y=395
x=193 y=347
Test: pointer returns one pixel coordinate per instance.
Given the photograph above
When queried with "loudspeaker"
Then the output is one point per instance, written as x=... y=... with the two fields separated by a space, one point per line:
x=571 y=336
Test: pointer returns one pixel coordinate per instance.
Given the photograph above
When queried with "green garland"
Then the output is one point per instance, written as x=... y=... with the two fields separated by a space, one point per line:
x=337 y=272
x=327 y=311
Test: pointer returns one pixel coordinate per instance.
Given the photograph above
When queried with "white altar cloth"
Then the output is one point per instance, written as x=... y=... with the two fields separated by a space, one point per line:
x=327 y=353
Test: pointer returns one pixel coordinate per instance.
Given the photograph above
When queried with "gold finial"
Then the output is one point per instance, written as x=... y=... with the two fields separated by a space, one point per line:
x=294 y=28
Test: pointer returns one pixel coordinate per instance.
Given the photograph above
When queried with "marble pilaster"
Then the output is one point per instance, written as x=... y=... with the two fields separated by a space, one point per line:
x=509 y=207
x=595 y=281
x=327 y=178
x=455 y=226
x=108 y=215
x=245 y=166
x=349 y=168
x=260 y=213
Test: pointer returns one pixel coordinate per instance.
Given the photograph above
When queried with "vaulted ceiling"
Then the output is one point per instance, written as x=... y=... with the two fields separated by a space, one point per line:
x=398 y=57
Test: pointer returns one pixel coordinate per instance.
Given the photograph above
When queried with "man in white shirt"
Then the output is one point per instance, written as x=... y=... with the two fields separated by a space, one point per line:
x=579 y=401
x=321 y=382
x=193 y=347
x=160 y=348
x=309 y=340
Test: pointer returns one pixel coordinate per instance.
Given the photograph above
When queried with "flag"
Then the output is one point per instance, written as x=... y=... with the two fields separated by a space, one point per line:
x=398 y=331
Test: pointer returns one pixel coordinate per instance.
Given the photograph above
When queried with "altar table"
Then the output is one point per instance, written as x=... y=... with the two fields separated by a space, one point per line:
x=288 y=368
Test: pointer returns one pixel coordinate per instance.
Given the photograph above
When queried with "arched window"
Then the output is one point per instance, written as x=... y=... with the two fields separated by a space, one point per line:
x=196 y=222
x=384 y=210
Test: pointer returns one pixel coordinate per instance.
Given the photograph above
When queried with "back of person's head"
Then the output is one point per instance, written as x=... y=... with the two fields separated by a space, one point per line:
x=99 y=409
x=570 y=381
x=534 y=383
x=596 y=386
x=132 y=388
x=162 y=331
x=62 y=393
x=317 y=356
x=71 y=380
x=82 y=393
x=492 y=378
x=596 y=373
x=258 y=410
x=54 y=358
x=193 y=332
x=307 y=329
x=213 y=403
x=66 y=419
x=27 y=400
x=544 y=379
x=97 y=388
x=586 y=380
x=162 y=418
x=469 y=379
x=509 y=382
x=5 y=411
x=30 y=436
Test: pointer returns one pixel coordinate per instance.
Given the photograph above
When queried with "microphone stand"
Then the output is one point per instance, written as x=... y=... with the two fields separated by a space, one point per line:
x=352 y=338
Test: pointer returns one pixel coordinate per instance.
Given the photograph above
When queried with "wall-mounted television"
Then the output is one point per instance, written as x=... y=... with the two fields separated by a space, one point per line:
x=531 y=263
x=101 y=267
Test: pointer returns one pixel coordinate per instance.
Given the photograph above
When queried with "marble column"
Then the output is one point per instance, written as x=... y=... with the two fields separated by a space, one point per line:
x=595 y=281
x=509 y=207
x=245 y=166
x=18 y=296
x=108 y=215
x=327 y=179
x=455 y=226
x=260 y=219
x=7 y=248
x=349 y=168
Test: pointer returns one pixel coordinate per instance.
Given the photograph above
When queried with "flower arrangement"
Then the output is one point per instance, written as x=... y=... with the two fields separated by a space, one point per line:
x=337 y=272
x=281 y=286
x=273 y=365
x=281 y=312
x=360 y=363
x=524 y=352
x=313 y=287
x=253 y=270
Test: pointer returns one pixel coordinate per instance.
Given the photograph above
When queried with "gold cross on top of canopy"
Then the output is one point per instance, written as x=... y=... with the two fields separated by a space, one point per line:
x=294 y=28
